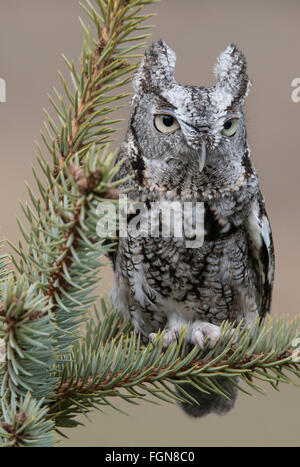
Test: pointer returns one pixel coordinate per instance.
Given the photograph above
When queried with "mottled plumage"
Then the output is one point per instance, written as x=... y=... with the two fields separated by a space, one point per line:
x=198 y=153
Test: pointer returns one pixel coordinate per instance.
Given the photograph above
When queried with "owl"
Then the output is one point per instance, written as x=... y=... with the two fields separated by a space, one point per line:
x=188 y=144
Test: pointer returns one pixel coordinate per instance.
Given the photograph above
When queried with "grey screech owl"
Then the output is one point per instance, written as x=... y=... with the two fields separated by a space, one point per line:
x=188 y=143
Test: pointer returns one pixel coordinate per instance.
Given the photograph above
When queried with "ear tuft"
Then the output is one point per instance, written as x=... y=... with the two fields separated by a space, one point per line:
x=231 y=73
x=157 y=68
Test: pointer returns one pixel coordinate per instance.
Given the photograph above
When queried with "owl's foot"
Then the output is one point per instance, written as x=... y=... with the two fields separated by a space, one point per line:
x=170 y=335
x=200 y=330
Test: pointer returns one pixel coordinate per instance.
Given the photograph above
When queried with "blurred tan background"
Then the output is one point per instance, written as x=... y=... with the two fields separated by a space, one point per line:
x=33 y=33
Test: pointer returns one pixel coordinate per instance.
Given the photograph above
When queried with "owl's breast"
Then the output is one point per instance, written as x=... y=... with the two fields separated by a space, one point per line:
x=197 y=272
x=162 y=276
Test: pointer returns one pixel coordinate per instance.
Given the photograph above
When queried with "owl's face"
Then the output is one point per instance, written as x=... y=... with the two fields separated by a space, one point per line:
x=202 y=128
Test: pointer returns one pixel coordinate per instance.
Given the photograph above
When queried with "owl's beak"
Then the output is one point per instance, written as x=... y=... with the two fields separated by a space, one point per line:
x=193 y=135
x=202 y=158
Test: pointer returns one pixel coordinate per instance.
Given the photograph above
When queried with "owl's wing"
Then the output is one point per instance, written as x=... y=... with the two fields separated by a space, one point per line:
x=121 y=173
x=261 y=251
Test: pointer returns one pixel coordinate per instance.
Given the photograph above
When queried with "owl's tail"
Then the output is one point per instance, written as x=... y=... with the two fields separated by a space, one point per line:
x=209 y=403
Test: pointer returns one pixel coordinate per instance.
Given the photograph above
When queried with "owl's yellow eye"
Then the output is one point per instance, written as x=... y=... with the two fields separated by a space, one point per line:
x=230 y=127
x=166 y=123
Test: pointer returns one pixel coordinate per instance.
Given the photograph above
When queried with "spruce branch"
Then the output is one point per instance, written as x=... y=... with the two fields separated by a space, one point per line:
x=111 y=362
x=24 y=424
x=26 y=331
x=105 y=67
x=64 y=250
x=58 y=263
x=60 y=217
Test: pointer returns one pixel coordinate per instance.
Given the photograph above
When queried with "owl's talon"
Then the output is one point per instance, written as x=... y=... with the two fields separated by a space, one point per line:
x=199 y=339
x=202 y=330
x=151 y=338
x=170 y=335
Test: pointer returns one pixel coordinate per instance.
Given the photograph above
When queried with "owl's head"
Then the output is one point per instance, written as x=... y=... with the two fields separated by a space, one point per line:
x=203 y=127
